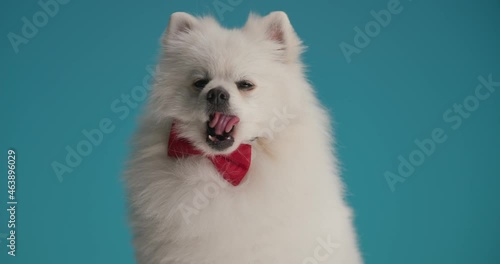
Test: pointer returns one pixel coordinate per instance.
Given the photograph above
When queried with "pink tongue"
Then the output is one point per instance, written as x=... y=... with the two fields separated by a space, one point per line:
x=223 y=123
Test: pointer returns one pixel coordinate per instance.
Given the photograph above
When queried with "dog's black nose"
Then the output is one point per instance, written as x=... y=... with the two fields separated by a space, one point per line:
x=218 y=96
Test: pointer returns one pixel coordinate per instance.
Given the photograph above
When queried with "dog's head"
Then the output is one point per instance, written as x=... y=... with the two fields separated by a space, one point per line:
x=224 y=86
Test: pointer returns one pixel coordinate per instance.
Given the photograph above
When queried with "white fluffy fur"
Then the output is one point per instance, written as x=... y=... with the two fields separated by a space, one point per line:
x=290 y=202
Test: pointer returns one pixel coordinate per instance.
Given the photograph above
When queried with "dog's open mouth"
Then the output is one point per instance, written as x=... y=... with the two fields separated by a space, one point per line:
x=220 y=129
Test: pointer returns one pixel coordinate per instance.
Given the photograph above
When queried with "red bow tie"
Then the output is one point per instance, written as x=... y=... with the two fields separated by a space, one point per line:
x=232 y=167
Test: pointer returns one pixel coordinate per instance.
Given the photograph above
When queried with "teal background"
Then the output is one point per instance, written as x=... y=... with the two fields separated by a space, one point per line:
x=395 y=91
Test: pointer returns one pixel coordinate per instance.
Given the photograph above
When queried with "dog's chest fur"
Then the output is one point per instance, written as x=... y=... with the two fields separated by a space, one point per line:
x=288 y=205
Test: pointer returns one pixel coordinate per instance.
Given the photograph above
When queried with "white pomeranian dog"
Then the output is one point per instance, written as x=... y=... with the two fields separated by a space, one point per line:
x=233 y=162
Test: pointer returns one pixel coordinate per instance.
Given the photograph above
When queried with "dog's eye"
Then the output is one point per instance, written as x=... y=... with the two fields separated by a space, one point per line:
x=245 y=85
x=200 y=84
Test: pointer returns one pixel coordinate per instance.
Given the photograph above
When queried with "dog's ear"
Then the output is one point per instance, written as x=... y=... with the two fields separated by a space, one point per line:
x=277 y=27
x=180 y=23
